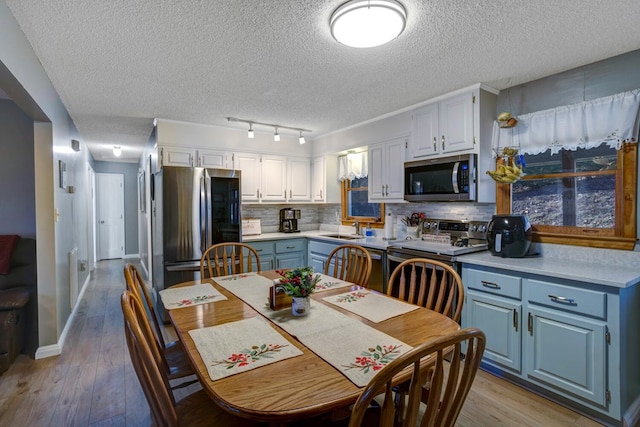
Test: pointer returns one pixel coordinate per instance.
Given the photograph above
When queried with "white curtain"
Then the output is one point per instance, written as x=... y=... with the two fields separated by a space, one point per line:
x=610 y=120
x=352 y=166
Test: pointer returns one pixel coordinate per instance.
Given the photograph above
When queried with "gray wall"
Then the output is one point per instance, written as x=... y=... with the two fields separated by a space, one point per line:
x=602 y=78
x=17 y=181
x=130 y=172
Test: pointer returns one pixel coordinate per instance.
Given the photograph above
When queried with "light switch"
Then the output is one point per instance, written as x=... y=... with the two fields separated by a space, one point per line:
x=56 y=214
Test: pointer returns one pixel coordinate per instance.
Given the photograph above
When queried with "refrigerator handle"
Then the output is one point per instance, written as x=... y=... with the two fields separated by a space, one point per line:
x=203 y=215
x=208 y=218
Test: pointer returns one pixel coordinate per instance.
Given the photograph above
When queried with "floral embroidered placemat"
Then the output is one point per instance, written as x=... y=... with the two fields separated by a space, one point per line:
x=357 y=350
x=328 y=282
x=370 y=305
x=249 y=287
x=187 y=296
x=235 y=347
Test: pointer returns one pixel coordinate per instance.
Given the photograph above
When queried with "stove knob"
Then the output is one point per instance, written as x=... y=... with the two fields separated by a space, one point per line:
x=434 y=225
x=474 y=227
x=483 y=228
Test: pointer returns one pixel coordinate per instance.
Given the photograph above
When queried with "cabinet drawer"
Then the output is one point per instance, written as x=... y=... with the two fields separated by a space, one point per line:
x=263 y=248
x=284 y=246
x=493 y=283
x=567 y=298
x=322 y=248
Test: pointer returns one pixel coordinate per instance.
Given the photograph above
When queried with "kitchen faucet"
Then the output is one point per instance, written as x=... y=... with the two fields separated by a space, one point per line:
x=357 y=226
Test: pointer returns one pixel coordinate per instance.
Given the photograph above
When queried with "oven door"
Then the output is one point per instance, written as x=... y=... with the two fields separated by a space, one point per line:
x=396 y=255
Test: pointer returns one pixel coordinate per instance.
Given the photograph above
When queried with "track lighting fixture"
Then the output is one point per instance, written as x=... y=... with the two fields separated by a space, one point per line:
x=117 y=150
x=276 y=135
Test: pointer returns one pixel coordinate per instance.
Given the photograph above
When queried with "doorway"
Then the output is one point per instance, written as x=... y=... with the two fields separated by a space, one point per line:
x=110 y=215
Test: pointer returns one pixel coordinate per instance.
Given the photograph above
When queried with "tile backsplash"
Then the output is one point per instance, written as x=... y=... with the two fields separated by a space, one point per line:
x=311 y=215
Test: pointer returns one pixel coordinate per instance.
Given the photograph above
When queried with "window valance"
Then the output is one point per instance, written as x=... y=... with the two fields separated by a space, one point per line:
x=352 y=166
x=609 y=120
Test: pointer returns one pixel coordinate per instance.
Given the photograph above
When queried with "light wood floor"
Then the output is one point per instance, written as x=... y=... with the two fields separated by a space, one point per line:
x=92 y=382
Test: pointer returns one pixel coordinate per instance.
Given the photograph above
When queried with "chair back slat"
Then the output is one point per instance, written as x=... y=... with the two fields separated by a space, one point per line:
x=137 y=286
x=154 y=384
x=223 y=259
x=449 y=382
x=431 y=284
x=351 y=263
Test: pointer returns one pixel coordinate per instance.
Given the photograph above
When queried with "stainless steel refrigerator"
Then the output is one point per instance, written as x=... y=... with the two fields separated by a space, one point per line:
x=192 y=209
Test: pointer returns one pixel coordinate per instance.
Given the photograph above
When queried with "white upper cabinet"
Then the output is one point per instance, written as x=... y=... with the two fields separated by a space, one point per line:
x=386 y=171
x=249 y=166
x=325 y=184
x=299 y=180
x=194 y=157
x=273 y=179
x=444 y=127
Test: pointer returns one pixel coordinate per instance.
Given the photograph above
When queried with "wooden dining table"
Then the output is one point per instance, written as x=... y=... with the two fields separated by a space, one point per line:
x=298 y=387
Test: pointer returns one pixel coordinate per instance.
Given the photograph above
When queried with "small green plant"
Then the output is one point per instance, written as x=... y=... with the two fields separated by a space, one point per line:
x=298 y=282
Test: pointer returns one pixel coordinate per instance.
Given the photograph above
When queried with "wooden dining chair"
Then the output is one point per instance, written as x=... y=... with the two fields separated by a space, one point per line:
x=428 y=283
x=449 y=383
x=228 y=258
x=197 y=409
x=174 y=358
x=351 y=263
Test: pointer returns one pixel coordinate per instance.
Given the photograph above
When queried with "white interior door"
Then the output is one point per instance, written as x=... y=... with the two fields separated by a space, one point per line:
x=110 y=207
x=91 y=213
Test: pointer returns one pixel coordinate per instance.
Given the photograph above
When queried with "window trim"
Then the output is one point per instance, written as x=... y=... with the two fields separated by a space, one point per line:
x=622 y=236
x=345 y=187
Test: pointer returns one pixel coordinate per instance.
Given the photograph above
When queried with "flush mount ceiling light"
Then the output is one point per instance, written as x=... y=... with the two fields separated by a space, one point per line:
x=117 y=150
x=250 y=133
x=301 y=140
x=368 y=23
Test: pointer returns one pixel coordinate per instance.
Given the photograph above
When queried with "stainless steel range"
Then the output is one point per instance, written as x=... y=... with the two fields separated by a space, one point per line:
x=443 y=240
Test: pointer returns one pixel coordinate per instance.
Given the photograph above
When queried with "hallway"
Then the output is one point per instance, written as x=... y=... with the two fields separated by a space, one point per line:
x=92 y=383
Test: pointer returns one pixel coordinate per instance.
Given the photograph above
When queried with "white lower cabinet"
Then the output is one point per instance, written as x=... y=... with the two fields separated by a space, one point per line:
x=574 y=339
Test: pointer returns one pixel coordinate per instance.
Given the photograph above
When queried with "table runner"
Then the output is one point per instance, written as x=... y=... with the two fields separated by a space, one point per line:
x=186 y=296
x=370 y=305
x=235 y=347
x=356 y=350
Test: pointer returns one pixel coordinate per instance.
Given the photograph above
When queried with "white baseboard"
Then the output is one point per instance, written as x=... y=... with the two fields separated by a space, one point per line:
x=127 y=256
x=56 y=349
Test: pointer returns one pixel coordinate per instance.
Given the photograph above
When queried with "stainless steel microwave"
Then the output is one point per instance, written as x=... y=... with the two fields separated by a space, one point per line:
x=441 y=179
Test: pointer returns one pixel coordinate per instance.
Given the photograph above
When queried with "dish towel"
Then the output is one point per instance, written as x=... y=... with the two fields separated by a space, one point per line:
x=187 y=296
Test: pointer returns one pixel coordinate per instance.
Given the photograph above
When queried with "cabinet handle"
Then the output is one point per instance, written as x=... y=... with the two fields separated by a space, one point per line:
x=290 y=194
x=386 y=190
x=258 y=193
x=291 y=247
x=490 y=285
x=530 y=324
x=285 y=194
x=562 y=300
x=259 y=250
x=383 y=190
x=443 y=142
x=515 y=319
x=321 y=194
x=435 y=144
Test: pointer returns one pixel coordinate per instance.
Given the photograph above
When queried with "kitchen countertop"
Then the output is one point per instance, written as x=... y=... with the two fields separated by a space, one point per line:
x=607 y=274
x=599 y=266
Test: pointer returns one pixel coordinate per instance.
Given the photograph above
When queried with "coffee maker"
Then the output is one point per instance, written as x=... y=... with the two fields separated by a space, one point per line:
x=289 y=220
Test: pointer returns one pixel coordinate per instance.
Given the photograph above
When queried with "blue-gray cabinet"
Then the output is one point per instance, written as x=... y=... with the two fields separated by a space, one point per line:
x=287 y=253
x=573 y=341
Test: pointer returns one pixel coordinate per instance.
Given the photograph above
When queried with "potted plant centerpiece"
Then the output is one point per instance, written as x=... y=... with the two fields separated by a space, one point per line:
x=299 y=283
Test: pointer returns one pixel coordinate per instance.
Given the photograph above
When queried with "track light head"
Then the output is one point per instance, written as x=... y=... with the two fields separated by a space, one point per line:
x=276 y=136
x=250 y=133
x=301 y=140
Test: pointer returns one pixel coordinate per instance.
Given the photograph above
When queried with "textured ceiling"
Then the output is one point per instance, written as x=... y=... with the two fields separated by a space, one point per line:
x=119 y=64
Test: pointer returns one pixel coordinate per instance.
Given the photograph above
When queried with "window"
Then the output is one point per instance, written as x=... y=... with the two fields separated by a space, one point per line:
x=355 y=205
x=580 y=197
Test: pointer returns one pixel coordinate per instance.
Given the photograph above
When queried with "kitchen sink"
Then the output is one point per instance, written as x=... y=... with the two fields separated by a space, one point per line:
x=343 y=236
